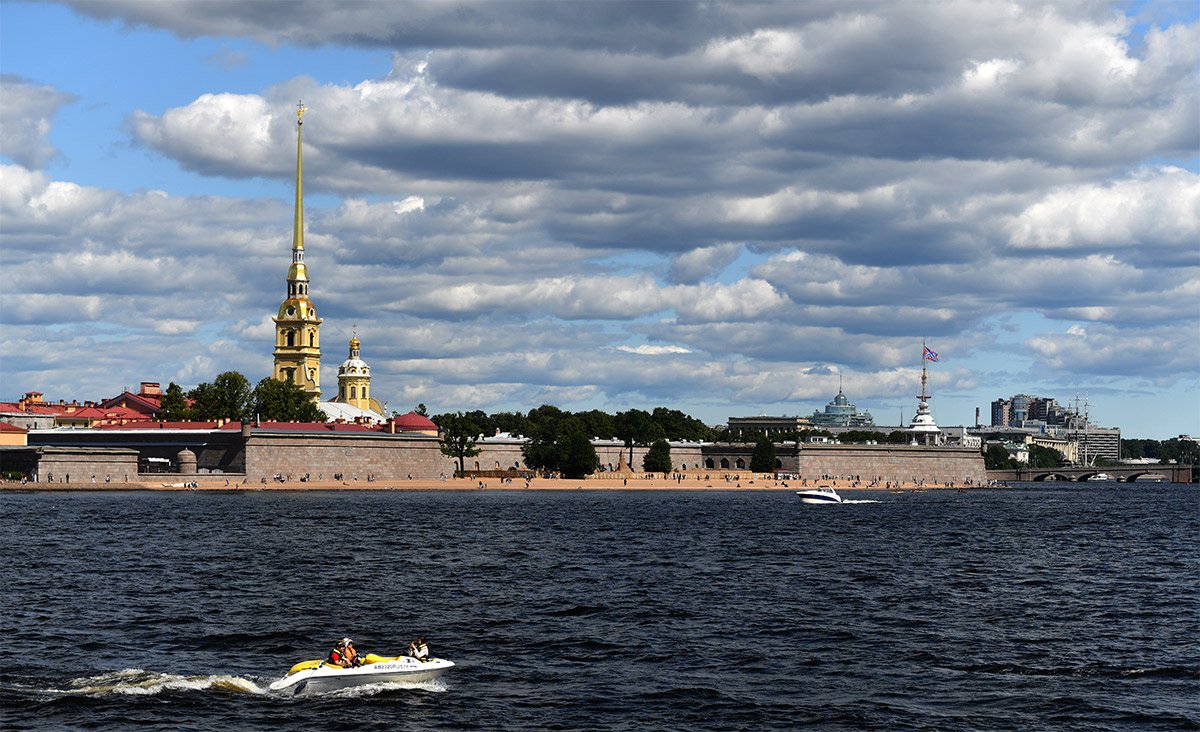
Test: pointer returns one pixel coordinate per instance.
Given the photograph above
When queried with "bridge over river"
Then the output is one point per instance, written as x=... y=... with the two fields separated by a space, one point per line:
x=1125 y=473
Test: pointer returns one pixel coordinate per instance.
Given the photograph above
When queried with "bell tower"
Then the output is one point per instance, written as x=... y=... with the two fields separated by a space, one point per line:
x=297 y=327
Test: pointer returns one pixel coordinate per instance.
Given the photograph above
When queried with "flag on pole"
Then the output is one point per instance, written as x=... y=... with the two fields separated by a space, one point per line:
x=930 y=355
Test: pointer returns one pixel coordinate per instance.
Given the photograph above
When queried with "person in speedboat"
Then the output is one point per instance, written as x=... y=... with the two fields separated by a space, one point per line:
x=418 y=649
x=344 y=655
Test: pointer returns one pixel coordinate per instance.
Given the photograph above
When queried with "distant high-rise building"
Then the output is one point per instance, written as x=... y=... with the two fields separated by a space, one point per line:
x=1001 y=413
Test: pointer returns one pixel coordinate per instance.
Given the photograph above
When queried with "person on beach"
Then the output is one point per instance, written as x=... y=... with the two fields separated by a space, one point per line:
x=344 y=654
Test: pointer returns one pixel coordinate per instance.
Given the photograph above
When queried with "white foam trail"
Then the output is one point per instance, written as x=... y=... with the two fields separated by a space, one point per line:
x=864 y=500
x=436 y=686
x=138 y=682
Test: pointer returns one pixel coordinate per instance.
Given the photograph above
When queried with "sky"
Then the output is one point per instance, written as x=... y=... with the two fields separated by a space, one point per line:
x=729 y=209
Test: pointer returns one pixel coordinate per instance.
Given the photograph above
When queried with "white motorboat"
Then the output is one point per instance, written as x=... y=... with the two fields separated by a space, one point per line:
x=319 y=676
x=1101 y=476
x=820 y=494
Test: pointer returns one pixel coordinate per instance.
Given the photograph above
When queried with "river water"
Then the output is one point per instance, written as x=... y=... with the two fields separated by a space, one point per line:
x=1038 y=606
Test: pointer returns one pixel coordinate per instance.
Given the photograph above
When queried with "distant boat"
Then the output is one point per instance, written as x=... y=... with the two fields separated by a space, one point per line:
x=820 y=494
x=1101 y=476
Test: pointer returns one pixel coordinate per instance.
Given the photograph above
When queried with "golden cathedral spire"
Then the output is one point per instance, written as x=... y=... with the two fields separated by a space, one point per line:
x=297 y=327
x=298 y=226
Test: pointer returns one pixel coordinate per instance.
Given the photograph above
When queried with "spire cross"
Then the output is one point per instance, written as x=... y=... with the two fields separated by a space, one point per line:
x=300 y=110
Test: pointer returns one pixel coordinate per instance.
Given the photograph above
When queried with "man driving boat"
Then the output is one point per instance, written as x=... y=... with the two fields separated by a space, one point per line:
x=344 y=654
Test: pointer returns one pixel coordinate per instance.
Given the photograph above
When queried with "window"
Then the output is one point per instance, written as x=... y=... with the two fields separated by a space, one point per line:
x=353 y=393
x=291 y=337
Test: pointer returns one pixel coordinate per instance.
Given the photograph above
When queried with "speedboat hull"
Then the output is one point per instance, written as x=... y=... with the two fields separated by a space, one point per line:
x=318 y=676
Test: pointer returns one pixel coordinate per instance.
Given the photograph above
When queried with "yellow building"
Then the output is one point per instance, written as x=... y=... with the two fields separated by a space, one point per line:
x=297 y=327
x=12 y=435
x=354 y=381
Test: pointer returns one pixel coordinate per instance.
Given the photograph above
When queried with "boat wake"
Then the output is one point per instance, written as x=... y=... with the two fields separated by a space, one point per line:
x=436 y=686
x=862 y=500
x=136 y=682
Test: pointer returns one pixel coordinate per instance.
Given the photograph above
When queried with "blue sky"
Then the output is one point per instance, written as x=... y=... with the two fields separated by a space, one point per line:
x=721 y=208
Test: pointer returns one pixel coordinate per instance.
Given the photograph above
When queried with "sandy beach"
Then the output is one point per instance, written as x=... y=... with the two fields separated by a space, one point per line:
x=633 y=483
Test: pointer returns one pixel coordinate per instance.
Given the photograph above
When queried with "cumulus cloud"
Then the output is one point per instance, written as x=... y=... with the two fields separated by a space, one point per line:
x=530 y=185
x=25 y=119
x=1105 y=350
x=1157 y=209
x=702 y=262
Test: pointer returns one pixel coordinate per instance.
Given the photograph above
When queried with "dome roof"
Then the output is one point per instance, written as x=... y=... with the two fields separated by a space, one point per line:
x=350 y=364
x=414 y=421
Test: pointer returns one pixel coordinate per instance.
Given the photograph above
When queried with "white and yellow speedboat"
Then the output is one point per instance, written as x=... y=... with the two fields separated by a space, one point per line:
x=318 y=675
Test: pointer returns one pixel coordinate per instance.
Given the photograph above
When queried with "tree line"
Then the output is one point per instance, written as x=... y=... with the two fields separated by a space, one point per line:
x=230 y=397
x=560 y=441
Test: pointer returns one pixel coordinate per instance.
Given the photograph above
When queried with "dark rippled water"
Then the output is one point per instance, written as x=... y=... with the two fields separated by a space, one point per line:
x=1068 y=607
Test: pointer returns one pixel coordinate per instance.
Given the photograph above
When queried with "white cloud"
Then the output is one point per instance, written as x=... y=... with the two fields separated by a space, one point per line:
x=25 y=119
x=546 y=183
x=1159 y=208
x=646 y=350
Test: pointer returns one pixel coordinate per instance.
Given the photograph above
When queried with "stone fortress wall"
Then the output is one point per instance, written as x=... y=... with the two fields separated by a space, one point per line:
x=263 y=455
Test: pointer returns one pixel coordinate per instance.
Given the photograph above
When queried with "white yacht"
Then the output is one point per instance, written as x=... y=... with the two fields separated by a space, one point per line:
x=820 y=494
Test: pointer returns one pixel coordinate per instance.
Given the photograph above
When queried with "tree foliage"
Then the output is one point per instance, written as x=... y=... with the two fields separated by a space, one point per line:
x=763 y=459
x=277 y=400
x=173 y=407
x=560 y=444
x=658 y=457
x=227 y=397
x=460 y=436
x=1184 y=452
x=1044 y=457
x=577 y=457
x=997 y=458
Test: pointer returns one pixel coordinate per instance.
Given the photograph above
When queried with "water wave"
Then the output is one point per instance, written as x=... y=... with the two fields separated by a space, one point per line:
x=138 y=682
x=436 y=686
x=1097 y=671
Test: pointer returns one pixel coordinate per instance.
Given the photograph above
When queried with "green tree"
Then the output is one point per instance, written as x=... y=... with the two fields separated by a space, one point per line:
x=173 y=407
x=558 y=442
x=540 y=451
x=996 y=458
x=1044 y=457
x=763 y=459
x=678 y=426
x=658 y=457
x=597 y=423
x=460 y=437
x=227 y=397
x=276 y=400
x=422 y=410
x=636 y=428
x=576 y=455
x=513 y=423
